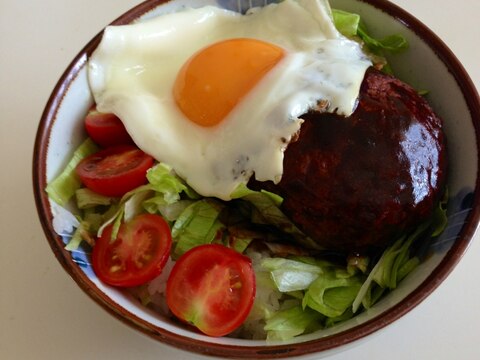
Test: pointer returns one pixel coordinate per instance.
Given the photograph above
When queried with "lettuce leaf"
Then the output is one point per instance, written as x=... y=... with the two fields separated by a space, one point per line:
x=394 y=264
x=87 y=198
x=345 y=22
x=169 y=212
x=129 y=206
x=267 y=209
x=331 y=321
x=163 y=180
x=243 y=191
x=288 y=323
x=161 y=195
x=77 y=237
x=63 y=187
x=396 y=256
x=238 y=237
x=331 y=295
x=350 y=25
x=197 y=225
x=290 y=275
x=392 y=43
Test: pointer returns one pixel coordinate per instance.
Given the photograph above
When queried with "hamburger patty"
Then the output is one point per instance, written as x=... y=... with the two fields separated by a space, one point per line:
x=357 y=182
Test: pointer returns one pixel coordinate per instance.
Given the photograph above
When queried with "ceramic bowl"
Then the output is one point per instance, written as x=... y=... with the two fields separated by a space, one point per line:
x=428 y=64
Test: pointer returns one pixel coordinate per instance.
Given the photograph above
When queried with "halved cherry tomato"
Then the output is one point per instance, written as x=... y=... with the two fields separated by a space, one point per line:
x=115 y=171
x=106 y=129
x=212 y=287
x=137 y=255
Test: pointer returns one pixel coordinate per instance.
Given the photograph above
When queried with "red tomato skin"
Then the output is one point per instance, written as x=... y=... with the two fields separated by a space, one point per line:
x=115 y=171
x=129 y=243
x=194 y=278
x=106 y=129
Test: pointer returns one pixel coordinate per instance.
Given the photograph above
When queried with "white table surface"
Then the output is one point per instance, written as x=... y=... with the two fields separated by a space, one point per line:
x=44 y=315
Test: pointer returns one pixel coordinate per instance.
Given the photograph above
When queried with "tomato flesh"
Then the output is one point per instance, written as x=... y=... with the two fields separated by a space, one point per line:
x=137 y=255
x=106 y=129
x=115 y=171
x=212 y=287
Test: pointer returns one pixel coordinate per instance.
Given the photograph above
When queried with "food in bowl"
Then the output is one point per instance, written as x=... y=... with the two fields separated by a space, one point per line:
x=294 y=277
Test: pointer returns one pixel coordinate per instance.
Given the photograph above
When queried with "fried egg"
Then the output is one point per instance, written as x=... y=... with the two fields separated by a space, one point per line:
x=217 y=95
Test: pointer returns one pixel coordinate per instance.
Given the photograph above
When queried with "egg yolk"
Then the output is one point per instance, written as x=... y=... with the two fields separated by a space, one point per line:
x=214 y=80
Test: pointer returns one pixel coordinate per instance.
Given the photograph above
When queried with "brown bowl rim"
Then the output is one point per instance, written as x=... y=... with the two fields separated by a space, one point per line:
x=270 y=351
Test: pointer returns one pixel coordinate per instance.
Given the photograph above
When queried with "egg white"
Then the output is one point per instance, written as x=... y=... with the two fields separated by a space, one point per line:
x=133 y=70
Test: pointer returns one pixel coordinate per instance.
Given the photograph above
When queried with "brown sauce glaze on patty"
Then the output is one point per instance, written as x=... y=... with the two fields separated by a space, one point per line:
x=354 y=183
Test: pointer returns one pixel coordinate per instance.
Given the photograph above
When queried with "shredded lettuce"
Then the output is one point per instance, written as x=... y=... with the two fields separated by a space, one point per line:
x=394 y=258
x=77 y=237
x=290 y=275
x=322 y=293
x=86 y=227
x=243 y=191
x=87 y=198
x=161 y=195
x=291 y=322
x=198 y=224
x=169 y=188
x=337 y=292
x=134 y=205
x=331 y=295
x=169 y=212
x=394 y=264
x=238 y=238
x=345 y=22
x=330 y=321
x=350 y=25
x=82 y=233
x=268 y=212
x=407 y=267
x=391 y=43
x=116 y=223
x=63 y=187
x=266 y=297
x=94 y=220
x=163 y=180
x=128 y=205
